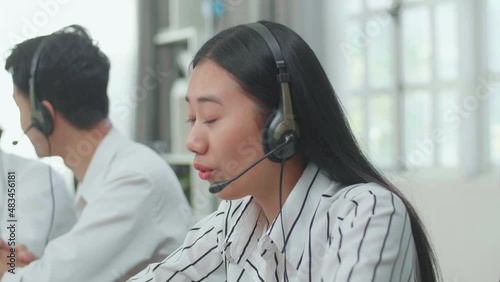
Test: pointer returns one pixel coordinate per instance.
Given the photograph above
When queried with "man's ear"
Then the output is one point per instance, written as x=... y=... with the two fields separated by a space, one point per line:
x=49 y=108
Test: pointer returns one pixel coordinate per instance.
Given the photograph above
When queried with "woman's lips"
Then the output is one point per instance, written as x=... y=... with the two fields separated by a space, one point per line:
x=205 y=174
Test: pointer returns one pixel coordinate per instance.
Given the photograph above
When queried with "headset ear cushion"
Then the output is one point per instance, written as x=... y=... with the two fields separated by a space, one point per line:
x=48 y=125
x=268 y=141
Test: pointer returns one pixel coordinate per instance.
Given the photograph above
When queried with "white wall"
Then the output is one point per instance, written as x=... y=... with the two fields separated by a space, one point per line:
x=463 y=220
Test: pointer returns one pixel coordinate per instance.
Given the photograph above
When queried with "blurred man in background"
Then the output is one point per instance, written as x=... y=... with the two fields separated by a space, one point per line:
x=130 y=206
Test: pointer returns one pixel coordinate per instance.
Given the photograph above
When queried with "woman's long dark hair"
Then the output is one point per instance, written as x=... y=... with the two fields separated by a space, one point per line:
x=326 y=138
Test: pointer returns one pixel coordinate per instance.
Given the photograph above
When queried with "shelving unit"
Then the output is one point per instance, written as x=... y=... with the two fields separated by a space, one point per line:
x=172 y=31
x=181 y=39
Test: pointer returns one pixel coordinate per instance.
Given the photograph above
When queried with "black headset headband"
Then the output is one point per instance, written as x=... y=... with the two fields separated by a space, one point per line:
x=40 y=117
x=282 y=123
x=275 y=49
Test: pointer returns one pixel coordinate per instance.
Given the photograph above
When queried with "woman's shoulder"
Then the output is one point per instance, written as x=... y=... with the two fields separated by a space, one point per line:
x=369 y=194
x=363 y=189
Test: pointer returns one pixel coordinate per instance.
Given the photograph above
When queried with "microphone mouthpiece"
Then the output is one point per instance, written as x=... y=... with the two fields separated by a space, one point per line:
x=24 y=133
x=218 y=186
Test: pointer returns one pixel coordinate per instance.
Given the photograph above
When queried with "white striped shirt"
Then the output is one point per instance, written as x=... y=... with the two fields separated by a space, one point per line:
x=358 y=233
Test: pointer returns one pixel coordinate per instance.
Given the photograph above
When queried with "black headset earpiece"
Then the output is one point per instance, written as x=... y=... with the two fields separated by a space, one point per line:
x=41 y=118
x=282 y=122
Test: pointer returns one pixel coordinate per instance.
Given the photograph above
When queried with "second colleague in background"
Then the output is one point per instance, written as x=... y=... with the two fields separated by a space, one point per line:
x=320 y=212
x=42 y=205
x=129 y=203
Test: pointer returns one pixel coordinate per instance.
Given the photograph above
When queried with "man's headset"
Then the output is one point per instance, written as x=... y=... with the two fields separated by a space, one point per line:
x=40 y=115
x=41 y=118
x=281 y=123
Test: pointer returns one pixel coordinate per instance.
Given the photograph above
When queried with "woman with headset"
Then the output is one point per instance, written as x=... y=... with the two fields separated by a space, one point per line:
x=302 y=203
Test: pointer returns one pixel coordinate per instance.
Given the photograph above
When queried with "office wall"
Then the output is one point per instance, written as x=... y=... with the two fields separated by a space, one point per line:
x=463 y=219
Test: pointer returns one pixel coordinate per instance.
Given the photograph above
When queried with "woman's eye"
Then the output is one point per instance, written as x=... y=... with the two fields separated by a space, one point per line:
x=191 y=120
x=210 y=121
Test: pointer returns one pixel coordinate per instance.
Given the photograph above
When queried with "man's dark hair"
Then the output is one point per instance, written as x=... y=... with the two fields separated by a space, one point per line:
x=72 y=74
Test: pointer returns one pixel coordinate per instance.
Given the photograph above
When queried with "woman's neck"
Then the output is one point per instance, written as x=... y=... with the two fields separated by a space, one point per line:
x=269 y=198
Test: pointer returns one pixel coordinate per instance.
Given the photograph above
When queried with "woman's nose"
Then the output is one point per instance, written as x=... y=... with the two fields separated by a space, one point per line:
x=195 y=142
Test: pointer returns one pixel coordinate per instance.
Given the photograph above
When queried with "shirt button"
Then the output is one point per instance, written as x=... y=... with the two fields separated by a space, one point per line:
x=265 y=245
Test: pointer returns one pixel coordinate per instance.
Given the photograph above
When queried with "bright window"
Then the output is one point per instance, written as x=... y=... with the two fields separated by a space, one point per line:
x=403 y=81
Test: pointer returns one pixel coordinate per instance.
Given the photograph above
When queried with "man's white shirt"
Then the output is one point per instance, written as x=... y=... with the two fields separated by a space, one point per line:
x=131 y=211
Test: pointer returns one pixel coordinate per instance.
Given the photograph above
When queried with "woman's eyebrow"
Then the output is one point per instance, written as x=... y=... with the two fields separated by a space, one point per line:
x=208 y=98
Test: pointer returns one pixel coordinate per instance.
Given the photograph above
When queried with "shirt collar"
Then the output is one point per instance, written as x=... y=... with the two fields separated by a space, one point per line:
x=242 y=236
x=297 y=212
x=99 y=165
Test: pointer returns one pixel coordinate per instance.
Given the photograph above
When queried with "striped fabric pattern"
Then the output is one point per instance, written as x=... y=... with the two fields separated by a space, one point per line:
x=351 y=234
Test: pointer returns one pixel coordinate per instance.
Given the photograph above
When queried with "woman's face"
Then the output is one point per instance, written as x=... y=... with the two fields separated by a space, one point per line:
x=225 y=132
